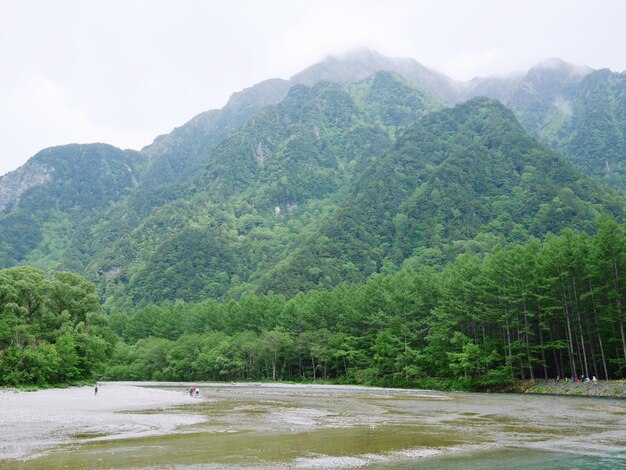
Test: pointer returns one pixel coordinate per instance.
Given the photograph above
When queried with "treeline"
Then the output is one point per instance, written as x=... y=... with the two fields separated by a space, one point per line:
x=52 y=331
x=540 y=309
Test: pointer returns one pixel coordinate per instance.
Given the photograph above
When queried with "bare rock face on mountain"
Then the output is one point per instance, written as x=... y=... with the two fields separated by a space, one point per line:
x=15 y=183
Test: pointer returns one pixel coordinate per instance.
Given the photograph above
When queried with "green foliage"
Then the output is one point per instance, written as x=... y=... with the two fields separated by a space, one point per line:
x=51 y=330
x=535 y=310
x=451 y=179
x=392 y=100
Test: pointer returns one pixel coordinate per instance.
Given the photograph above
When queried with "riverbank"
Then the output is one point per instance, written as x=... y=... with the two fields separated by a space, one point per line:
x=601 y=388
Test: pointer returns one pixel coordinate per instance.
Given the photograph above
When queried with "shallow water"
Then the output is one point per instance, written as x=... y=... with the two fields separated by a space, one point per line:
x=335 y=427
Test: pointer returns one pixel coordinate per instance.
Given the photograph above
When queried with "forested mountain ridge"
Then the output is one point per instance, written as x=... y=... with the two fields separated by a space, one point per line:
x=545 y=93
x=458 y=180
x=178 y=155
x=576 y=110
x=54 y=197
x=290 y=164
x=291 y=186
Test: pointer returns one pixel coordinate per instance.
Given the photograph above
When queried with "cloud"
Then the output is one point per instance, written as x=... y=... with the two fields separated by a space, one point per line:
x=470 y=64
x=43 y=115
x=123 y=72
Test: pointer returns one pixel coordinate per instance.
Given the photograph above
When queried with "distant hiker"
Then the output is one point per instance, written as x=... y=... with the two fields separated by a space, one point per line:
x=197 y=392
x=594 y=379
x=558 y=378
x=192 y=391
x=95 y=390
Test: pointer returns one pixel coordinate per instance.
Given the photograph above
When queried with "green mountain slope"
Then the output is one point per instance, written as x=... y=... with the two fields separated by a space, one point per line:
x=548 y=100
x=49 y=202
x=542 y=100
x=596 y=140
x=177 y=156
x=301 y=183
x=266 y=185
x=392 y=100
x=457 y=179
x=574 y=109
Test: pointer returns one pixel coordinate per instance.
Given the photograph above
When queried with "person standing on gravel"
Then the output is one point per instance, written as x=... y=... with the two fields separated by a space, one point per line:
x=95 y=390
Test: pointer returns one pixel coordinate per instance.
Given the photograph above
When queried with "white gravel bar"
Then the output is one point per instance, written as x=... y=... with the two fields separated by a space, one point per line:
x=31 y=421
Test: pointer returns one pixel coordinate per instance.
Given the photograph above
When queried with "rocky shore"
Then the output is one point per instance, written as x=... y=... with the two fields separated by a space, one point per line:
x=601 y=388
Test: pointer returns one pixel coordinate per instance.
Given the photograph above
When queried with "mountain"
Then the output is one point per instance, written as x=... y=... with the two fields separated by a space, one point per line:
x=359 y=65
x=548 y=100
x=544 y=95
x=576 y=110
x=459 y=179
x=353 y=166
x=176 y=157
x=391 y=100
x=454 y=180
x=277 y=173
x=48 y=201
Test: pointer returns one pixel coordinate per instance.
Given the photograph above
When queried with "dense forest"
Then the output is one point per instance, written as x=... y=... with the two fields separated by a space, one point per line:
x=52 y=331
x=537 y=310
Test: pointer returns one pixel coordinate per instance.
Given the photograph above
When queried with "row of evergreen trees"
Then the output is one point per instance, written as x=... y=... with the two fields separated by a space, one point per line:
x=536 y=310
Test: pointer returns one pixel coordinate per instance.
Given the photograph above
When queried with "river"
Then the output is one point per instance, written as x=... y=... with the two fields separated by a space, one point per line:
x=308 y=426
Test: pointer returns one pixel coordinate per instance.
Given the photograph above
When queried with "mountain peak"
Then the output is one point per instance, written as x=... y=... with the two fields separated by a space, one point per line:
x=359 y=64
x=359 y=55
x=560 y=65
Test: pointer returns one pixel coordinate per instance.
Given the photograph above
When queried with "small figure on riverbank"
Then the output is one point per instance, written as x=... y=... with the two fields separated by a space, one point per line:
x=558 y=378
x=95 y=390
x=192 y=391
x=594 y=379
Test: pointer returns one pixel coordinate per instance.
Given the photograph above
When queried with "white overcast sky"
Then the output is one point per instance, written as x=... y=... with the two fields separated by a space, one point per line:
x=124 y=71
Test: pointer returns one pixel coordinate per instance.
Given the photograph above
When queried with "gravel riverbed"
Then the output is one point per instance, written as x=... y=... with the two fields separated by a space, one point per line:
x=234 y=426
x=45 y=418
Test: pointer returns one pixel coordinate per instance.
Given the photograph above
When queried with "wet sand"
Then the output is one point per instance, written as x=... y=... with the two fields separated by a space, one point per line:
x=302 y=426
